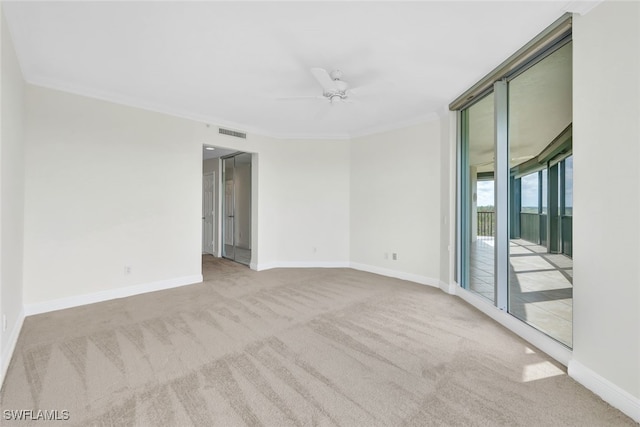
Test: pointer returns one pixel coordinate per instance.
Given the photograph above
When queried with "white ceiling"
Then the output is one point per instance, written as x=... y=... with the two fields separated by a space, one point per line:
x=228 y=62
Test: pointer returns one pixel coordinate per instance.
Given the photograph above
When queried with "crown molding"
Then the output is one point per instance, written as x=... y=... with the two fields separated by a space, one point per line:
x=143 y=105
x=217 y=121
x=581 y=7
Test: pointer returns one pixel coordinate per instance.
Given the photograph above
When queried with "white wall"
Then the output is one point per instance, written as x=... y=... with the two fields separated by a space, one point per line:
x=11 y=197
x=395 y=202
x=448 y=126
x=304 y=203
x=107 y=186
x=110 y=186
x=300 y=198
x=606 y=230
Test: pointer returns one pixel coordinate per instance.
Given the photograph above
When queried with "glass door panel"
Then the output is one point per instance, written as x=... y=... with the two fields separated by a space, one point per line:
x=540 y=288
x=479 y=198
x=236 y=230
x=242 y=213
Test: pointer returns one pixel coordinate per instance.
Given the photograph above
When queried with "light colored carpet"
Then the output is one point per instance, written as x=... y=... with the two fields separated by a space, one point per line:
x=290 y=347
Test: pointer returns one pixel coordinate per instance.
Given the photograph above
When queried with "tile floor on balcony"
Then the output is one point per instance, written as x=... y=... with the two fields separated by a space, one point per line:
x=540 y=285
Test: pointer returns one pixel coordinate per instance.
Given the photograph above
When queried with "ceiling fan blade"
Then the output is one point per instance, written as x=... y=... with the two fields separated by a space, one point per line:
x=325 y=80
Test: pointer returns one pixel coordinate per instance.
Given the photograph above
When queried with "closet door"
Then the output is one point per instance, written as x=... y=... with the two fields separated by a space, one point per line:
x=228 y=227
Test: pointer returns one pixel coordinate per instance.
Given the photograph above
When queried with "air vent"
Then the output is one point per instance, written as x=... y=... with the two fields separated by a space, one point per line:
x=232 y=133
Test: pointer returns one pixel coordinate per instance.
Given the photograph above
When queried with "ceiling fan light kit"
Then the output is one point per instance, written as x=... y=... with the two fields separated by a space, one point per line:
x=334 y=89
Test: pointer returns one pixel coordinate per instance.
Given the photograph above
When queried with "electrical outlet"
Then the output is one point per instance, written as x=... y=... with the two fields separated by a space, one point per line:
x=127 y=270
x=4 y=322
x=394 y=256
x=315 y=249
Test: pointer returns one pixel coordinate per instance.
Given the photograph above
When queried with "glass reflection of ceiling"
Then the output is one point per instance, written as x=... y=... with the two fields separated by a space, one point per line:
x=481 y=134
x=540 y=108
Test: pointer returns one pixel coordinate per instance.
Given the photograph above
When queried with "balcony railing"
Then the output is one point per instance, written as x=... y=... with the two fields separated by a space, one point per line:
x=486 y=224
x=530 y=227
x=533 y=228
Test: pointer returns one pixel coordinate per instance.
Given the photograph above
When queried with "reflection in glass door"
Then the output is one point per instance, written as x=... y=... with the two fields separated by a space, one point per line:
x=567 y=207
x=479 y=198
x=540 y=284
x=236 y=229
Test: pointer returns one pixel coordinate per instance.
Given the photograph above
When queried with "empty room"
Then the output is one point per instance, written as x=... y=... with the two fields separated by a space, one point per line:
x=320 y=213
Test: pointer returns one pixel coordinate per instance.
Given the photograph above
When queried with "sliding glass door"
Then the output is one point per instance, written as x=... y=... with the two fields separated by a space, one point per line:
x=516 y=198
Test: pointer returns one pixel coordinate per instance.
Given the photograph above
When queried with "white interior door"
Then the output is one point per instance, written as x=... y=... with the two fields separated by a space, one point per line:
x=208 y=213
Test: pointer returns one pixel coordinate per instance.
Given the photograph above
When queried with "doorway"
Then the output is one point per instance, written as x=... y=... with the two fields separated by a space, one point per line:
x=236 y=209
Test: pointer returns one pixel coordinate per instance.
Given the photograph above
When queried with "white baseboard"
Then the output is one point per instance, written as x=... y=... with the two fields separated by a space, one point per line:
x=7 y=352
x=448 y=288
x=604 y=388
x=423 y=280
x=78 y=300
x=300 y=264
x=548 y=345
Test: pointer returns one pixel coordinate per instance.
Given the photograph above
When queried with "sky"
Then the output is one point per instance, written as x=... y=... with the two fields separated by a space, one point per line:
x=485 y=193
x=529 y=192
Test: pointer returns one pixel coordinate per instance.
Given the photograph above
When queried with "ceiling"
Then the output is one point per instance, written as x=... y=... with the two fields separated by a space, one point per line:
x=228 y=63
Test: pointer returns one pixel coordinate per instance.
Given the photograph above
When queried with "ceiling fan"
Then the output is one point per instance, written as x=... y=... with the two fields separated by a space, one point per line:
x=334 y=89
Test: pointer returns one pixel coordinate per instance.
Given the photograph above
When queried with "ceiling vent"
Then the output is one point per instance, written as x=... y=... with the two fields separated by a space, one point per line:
x=232 y=133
